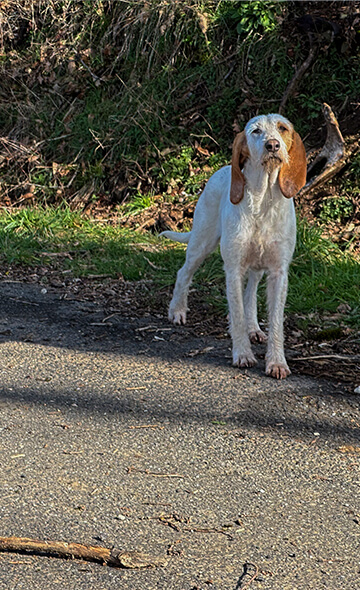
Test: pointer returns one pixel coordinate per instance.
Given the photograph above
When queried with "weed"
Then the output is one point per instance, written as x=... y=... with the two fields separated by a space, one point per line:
x=121 y=85
x=255 y=17
x=321 y=275
x=186 y=173
x=138 y=203
x=336 y=208
x=311 y=104
x=174 y=168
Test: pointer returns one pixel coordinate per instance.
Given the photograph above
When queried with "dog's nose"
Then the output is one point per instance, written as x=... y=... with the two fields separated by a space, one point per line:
x=272 y=145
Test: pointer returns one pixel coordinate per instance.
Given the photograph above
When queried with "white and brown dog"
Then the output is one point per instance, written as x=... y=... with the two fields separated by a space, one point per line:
x=248 y=208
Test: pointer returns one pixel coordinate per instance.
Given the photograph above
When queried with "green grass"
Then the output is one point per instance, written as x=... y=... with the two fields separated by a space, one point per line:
x=67 y=241
x=321 y=275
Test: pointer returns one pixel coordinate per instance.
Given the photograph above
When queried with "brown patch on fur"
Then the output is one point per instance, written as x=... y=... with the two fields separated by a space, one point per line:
x=292 y=176
x=287 y=135
x=239 y=155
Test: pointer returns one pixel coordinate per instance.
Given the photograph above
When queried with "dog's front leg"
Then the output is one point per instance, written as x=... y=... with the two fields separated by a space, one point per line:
x=250 y=305
x=276 y=364
x=242 y=353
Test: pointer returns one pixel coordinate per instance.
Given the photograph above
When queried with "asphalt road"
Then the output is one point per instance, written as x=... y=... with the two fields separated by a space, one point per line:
x=139 y=435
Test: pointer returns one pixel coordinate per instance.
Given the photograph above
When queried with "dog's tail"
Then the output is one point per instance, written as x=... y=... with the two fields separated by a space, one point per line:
x=176 y=236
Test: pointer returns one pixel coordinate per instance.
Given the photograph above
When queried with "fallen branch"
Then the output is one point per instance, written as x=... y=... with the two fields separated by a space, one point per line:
x=110 y=557
x=331 y=158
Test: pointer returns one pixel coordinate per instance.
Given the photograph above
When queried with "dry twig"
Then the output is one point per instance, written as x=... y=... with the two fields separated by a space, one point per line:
x=239 y=585
x=110 y=557
x=133 y=469
x=338 y=357
x=297 y=77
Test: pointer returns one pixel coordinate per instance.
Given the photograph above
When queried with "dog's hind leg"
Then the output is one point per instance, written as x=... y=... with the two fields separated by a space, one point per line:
x=202 y=239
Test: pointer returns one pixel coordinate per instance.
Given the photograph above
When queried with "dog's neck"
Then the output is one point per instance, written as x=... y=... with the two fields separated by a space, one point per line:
x=262 y=187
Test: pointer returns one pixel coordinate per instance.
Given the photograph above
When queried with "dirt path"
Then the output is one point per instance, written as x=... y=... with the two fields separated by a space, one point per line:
x=137 y=435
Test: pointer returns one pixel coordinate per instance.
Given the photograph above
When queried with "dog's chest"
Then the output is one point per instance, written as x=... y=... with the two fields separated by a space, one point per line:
x=262 y=250
x=260 y=256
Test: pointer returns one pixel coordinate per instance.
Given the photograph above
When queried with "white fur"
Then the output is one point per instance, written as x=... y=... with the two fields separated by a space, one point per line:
x=256 y=235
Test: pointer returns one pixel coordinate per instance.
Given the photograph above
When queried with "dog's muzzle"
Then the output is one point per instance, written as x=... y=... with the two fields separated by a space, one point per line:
x=272 y=156
x=271 y=159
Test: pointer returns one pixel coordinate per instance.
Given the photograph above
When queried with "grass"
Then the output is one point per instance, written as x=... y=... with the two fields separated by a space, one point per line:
x=321 y=277
x=67 y=241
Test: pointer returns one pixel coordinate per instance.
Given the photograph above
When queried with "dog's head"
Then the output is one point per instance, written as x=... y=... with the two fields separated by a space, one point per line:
x=271 y=142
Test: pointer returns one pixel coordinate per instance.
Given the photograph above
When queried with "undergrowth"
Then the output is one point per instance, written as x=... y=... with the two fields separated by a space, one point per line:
x=101 y=100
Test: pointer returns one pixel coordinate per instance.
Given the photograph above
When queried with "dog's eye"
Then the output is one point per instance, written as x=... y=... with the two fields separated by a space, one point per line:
x=257 y=131
x=282 y=128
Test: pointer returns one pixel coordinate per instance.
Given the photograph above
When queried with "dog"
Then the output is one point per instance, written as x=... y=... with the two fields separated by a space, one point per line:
x=248 y=208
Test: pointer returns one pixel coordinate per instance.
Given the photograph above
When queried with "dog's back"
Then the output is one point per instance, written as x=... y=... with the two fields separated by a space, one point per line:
x=207 y=214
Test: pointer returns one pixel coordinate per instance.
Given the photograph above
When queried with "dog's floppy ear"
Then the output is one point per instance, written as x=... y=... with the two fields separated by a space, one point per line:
x=239 y=154
x=292 y=175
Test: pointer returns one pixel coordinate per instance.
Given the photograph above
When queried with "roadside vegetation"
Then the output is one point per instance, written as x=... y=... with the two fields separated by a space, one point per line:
x=114 y=114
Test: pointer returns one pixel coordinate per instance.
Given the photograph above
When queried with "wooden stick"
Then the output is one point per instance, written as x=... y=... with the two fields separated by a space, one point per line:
x=297 y=77
x=110 y=557
x=339 y=357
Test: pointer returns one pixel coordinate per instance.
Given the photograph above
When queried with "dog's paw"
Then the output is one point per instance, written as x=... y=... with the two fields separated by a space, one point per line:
x=177 y=317
x=244 y=359
x=257 y=336
x=277 y=370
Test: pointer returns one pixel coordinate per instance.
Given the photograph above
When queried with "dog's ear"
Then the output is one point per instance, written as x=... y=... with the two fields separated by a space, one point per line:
x=292 y=175
x=239 y=154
